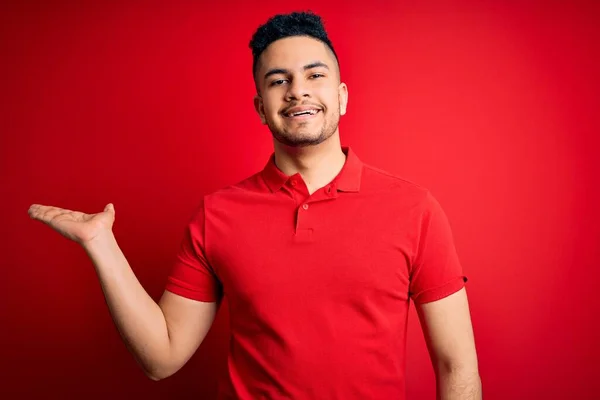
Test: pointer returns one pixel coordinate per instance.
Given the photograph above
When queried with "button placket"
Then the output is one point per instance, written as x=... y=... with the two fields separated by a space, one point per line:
x=303 y=217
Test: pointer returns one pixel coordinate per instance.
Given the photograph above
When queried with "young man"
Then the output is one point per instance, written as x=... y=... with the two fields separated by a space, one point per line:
x=318 y=254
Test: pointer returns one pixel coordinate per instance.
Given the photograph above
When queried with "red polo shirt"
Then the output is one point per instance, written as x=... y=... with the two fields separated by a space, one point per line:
x=319 y=285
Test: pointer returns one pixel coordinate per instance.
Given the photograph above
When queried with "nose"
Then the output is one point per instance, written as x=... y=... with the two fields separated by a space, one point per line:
x=297 y=89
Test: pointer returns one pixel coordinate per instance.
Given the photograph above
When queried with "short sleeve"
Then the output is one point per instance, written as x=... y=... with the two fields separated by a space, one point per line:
x=436 y=271
x=191 y=275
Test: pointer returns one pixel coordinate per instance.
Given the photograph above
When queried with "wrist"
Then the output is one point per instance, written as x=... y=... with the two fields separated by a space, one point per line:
x=102 y=241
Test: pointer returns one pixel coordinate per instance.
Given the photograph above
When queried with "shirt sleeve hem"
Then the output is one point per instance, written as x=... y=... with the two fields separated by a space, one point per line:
x=194 y=294
x=442 y=291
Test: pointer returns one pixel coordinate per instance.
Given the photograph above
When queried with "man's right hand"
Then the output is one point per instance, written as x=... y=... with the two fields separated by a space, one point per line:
x=77 y=226
x=162 y=336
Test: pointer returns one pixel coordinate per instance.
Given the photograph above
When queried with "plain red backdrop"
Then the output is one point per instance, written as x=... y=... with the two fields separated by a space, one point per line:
x=492 y=105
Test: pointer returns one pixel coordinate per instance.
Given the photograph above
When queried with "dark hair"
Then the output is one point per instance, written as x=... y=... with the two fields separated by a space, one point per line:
x=285 y=25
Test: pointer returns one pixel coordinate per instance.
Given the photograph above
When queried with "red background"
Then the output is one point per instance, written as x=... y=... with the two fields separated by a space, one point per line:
x=492 y=105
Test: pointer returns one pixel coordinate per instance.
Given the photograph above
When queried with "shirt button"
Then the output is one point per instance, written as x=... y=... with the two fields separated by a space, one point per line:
x=305 y=206
x=293 y=182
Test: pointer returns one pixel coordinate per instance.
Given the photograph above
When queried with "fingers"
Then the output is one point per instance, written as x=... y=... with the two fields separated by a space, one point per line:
x=48 y=213
x=45 y=213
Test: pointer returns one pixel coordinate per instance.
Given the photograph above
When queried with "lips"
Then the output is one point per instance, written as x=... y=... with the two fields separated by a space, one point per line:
x=301 y=111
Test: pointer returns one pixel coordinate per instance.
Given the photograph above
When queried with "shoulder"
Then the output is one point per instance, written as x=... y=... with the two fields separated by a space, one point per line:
x=238 y=193
x=400 y=189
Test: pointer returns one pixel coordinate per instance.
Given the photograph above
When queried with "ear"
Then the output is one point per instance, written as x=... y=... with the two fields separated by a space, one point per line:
x=258 y=106
x=343 y=97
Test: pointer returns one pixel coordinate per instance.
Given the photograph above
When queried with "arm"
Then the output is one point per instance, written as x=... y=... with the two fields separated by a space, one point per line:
x=162 y=337
x=446 y=324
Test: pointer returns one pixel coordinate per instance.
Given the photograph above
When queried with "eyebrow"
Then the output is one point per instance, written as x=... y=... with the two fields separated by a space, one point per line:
x=276 y=71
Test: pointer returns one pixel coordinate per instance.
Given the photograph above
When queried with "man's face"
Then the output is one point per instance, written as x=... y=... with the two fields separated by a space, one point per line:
x=300 y=95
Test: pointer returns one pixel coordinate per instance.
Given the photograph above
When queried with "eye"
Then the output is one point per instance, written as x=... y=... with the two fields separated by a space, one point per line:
x=278 y=82
x=317 y=75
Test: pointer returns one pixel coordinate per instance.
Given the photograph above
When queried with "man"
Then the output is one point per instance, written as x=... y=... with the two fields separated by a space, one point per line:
x=318 y=255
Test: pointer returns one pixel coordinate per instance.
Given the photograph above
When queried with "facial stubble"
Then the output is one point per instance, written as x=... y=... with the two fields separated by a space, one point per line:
x=300 y=138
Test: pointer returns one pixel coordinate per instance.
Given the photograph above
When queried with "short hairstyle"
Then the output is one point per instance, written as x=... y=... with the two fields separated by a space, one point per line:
x=285 y=25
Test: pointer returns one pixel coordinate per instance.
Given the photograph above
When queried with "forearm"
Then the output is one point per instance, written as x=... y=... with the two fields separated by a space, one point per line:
x=458 y=385
x=137 y=316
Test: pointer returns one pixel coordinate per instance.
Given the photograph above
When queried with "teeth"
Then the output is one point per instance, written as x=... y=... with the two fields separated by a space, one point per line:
x=311 y=112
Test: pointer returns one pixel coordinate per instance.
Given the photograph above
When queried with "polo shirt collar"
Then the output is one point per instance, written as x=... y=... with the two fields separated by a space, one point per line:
x=348 y=180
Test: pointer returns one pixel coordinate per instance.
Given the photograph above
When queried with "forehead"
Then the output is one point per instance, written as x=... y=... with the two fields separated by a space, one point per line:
x=295 y=52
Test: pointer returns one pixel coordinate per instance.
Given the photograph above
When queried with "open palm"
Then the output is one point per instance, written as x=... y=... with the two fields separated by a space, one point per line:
x=75 y=225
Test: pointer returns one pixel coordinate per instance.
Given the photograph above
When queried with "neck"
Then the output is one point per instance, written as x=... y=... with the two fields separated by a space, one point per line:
x=317 y=165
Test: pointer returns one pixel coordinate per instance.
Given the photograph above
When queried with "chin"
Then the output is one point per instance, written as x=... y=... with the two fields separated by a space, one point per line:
x=300 y=139
x=300 y=136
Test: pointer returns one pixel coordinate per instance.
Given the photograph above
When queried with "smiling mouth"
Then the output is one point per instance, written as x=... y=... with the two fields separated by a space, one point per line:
x=298 y=114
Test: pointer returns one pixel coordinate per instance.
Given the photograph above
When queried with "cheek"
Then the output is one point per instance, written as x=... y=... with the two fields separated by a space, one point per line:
x=330 y=99
x=270 y=108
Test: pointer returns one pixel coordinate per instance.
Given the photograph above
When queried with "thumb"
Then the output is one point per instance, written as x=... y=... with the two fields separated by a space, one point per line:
x=109 y=208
